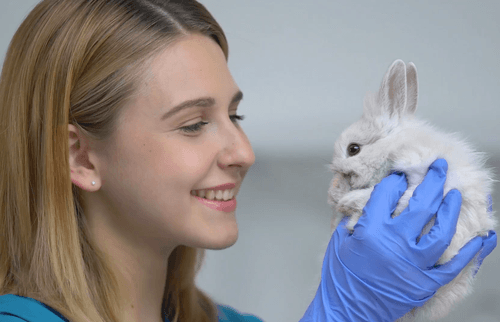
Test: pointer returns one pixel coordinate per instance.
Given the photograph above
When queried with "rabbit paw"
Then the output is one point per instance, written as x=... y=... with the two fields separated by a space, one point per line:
x=353 y=220
x=354 y=201
x=347 y=205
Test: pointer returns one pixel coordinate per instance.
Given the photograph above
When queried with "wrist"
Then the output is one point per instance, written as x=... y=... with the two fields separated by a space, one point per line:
x=359 y=303
x=343 y=296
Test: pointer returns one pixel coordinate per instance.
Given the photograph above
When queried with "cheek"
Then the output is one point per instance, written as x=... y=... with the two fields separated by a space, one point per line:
x=187 y=162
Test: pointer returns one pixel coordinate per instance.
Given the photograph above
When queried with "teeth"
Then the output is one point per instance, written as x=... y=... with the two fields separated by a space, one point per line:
x=217 y=195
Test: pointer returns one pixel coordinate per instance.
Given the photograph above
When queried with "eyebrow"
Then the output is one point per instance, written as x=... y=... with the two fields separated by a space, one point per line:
x=204 y=102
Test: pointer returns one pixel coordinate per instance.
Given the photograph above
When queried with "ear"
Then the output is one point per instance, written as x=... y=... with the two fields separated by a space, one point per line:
x=412 y=87
x=392 y=92
x=83 y=170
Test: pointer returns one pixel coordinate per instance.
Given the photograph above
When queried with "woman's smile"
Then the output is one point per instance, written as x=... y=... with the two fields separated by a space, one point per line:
x=222 y=197
x=219 y=195
x=226 y=206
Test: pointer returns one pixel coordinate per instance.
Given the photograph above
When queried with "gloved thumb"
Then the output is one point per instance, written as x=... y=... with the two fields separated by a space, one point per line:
x=489 y=243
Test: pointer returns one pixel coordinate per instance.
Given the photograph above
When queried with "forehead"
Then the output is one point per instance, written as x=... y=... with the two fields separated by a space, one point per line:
x=191 y=67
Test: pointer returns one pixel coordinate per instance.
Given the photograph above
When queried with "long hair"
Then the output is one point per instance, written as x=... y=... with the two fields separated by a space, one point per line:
x=78 y=62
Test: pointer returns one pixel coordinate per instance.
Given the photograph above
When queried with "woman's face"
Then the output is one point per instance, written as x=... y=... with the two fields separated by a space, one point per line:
x=155 y=162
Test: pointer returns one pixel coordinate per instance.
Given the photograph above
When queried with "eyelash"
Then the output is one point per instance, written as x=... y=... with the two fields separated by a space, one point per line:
x=197 y=127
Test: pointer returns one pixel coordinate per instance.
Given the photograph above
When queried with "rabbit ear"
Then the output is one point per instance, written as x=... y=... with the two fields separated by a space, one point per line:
x=392 y=92
x=412 y=89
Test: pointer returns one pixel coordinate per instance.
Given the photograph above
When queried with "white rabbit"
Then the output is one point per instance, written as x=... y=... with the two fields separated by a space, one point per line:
x=389 y=138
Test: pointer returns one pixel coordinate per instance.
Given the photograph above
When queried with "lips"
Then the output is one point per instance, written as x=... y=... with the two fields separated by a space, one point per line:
x=225 y=206
x=224 y=186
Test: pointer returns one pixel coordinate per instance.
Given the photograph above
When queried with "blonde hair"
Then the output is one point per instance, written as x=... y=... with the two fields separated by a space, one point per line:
x=78 y=62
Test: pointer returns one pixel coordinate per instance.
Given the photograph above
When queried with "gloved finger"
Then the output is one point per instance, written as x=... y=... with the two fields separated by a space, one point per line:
x=427 y=197
x=443 y=274
x=433 y=244
x=489 y=243
x=384 y=199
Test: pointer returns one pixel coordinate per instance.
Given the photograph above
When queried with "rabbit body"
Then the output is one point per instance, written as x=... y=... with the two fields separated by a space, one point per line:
x=389 y=138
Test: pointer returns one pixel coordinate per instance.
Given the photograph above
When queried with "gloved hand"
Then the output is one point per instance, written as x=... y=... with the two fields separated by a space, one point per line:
x=380 y=272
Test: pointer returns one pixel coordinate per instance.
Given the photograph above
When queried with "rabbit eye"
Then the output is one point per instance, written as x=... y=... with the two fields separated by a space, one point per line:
x=353 y=149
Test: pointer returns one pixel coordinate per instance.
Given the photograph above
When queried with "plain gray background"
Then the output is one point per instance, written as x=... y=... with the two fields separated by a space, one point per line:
x=305 y=67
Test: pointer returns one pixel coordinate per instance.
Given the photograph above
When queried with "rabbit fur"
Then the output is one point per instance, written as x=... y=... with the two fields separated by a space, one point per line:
x=390 y=138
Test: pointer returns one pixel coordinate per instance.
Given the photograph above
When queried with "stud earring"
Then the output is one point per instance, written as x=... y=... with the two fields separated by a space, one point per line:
x=93 y=183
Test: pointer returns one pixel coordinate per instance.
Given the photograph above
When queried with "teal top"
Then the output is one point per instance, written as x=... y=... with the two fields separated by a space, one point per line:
x=15 y=308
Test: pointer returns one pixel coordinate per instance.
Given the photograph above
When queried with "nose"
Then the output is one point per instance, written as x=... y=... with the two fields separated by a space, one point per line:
x=236 y=149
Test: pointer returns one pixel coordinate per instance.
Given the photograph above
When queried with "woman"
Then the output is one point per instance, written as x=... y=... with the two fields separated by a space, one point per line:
x=132 y=102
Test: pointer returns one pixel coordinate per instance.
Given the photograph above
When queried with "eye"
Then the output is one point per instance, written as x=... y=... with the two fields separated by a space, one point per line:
x=235 y=118
x=193 y=128
x=353 y=149
x=198 y=126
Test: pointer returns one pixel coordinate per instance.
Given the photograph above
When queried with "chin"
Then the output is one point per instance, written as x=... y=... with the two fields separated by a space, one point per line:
x=219 y=243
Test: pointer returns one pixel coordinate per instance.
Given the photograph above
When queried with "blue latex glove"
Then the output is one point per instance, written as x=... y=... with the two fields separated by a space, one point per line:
x=380 y=272
x=488 y=248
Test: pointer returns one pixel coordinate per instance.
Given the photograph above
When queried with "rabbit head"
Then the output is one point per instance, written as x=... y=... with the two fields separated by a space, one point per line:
x=362 y=153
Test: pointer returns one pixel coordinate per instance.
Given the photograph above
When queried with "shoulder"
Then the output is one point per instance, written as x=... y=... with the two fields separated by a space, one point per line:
x=229 y=314
x=15 y=308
